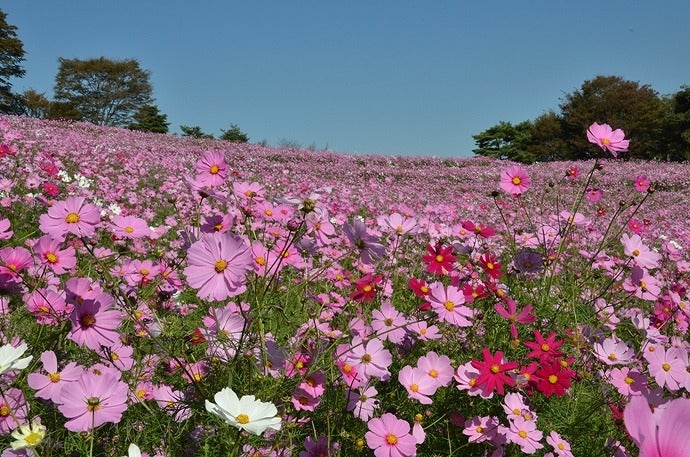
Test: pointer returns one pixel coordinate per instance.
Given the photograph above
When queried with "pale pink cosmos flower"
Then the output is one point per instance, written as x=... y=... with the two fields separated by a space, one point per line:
x=628 y=381
x=389 y=436
x=218 y=264
x=481 y=428
x=525 y=434
x=370 y=358
x=641 y=284
x=129 y=227
x=211 y=169
x=5 y=232
x=389 y=323
x=662 y=433
x=397 y=224
x=93 y=400
x=634 y=248
x=448 y=303
x=418 y=385
x=437 y=368
x=50 y=253
x=73 y=215
x=515 y=180
x=362 y=402
x=613 y=351
x=608 y=139
x=49 y=385
x=514 y=405
x=666 y=367
x=560 y=446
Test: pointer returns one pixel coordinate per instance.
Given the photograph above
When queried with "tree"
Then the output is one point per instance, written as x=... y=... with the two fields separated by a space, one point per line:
x=104 y=91
x=35 y=104
x=11 y=58
x=234 y=134
x=627 y=105
x=150 y=119
x=545 y=141
x=676 y=126
x=195 y=132
x=504 y=141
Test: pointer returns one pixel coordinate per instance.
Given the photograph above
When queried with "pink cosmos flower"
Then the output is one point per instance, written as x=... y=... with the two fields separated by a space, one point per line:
x=662 y=433
x=12 y=262
x=515 y=181
x=418 y=385
x=560 y=446
x=49 y=252
x=613 y=351
x=666 y=367
x=70 y=216
x=524 y=433
x=370 y=358
x=628 y=381
x=594 y=195
x=448 y=303
x=608 y=139
x=362 y=402
x=642 y=284
x=437 y=368
x=397 y=224
x=129 y=227
x=642 y=183
x=211 y=169
x=480 y=429
x=388 y=323
x=94 y=324
x=639 y=252
x=13 y=408
x=366 y=243
x=389 y=436
x=93 y=400
x=48 y=386
x=48 y=306
x=218 y=263
x=5 y=232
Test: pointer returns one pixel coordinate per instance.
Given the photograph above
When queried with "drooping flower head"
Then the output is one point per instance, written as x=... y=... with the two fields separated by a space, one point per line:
x=608 y=139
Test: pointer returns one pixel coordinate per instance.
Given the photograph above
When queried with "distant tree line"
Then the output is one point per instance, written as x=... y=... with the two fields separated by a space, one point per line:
x=97 y=90
x=658 y=126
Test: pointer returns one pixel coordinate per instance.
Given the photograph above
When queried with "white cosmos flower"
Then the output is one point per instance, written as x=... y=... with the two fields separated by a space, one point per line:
x=133 y=451
x=28 y=435
x=10 y=358
x=246 y=413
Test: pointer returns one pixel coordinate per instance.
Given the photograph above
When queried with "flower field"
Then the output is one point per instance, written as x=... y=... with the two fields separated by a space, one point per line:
x=171 y=296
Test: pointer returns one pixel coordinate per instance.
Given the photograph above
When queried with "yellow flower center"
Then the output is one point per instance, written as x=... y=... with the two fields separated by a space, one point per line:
x=51 y=258
x=220 y=265
x=414 y=387
x=388 y=321
x=433 y=373
x=347 y=368
x=605 y=141
x=4 y=411
x=516 y=181
x=553 y=379
x=93 y=404
x=523 y=434
x=545 y=347
x=260 y=260
x=242 y=418
x=612 y=357
x=366 y=288
x=495 y=369
x=129 y=229
x=636 y=252
x=214 y=169
x=560 y=446
x=391 y=439
x=666 y=367
x=87 y=320
x=33 y=438
x=72 y=218
x=479 y=429
x=439 y=258
x=449 y=305
x=54 y=377
x=366 y=358
x=628 y=380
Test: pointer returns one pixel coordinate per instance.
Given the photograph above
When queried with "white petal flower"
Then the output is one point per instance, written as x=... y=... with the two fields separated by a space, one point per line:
x=133 y=451
x=28 y=435
x=246 y=413
x=10 y=358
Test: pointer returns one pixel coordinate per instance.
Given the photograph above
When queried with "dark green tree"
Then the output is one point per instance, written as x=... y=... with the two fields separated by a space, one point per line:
x=676 y=126
x=150 y=119
x=35 y=104
x=504 y=141
x=627 y=105
x=104 y=91
x=194 y=131
x=11 y=58
x=546 y=141
x=234 y=134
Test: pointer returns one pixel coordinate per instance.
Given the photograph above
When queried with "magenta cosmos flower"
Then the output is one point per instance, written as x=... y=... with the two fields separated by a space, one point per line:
x=70 y=216
x=211 y=169
x=218 y=263
x=389 y=436
x=662 y=433
x=49 y=253
x=515 y=181
x=608 y=139
x=94 y=323
x=93 y=400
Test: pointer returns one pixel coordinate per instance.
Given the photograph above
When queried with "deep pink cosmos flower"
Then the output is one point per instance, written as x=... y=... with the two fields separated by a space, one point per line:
x=218 y=263
x=492 y=372
x=93 y=400
x=515 y=180
x=12 y=262
x=662 y=433
x=608 y=139
x=49 y=252
x=13 y=408
x=70 y=216
x=642 y=183
x=389 y=436
x=211 y=169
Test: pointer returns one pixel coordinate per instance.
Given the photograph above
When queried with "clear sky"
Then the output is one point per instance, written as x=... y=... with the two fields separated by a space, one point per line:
x=398 y=77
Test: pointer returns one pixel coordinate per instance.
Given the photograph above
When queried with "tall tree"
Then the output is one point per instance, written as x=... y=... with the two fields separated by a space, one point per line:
x=234 y=134
x=35 y=104
x=150 y=119
x=546 y=141
x=635 y=108
x=677 y=126
x=194 y=131
x=104 y=91
x=504 y=141
x=11 y=58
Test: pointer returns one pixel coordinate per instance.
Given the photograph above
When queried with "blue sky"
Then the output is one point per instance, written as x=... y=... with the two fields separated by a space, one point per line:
x=373 y=77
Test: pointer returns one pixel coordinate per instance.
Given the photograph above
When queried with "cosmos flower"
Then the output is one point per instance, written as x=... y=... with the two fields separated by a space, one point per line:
x=246 y=413
x=70 y=216
x=515 y=180
x=11 y=358
x=608 y=139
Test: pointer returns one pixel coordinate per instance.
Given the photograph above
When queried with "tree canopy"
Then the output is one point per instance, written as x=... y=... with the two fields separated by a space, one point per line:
x=234 y=134
x=104 y=91
x=11 y=58
x=150 y=119
x=655 y=125
x=194 y=131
